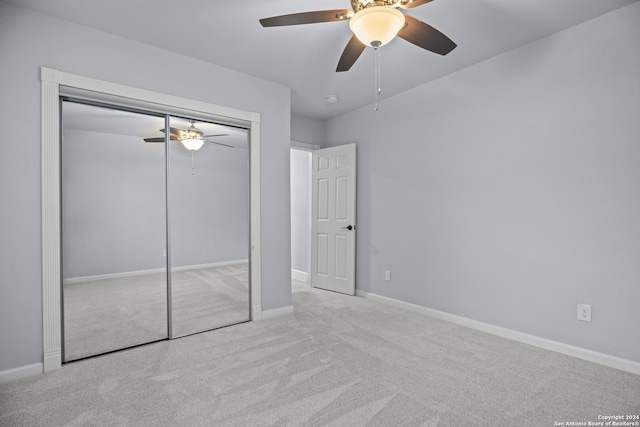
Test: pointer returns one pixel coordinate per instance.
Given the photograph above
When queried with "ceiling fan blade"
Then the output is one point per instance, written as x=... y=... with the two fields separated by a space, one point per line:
x=350 y=54
x=307 y=18
x=217 y=134
x=425 y=36
x=220 y=143
x=410 y=4
x=173 y=131
x=159 y=139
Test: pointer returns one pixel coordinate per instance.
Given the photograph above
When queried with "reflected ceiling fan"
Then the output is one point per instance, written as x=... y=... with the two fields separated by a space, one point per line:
x=373 y=23
x=191 y=138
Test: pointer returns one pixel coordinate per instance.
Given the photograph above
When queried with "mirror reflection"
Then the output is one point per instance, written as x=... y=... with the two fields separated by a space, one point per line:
x=124 y=282
x=209 y=223
x=113 y=231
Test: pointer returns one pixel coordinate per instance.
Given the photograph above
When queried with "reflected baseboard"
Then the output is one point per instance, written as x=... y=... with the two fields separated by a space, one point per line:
x=72 y=280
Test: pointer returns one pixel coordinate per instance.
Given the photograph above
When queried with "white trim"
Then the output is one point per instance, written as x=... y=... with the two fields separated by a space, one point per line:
x=255 y=226
x=303 y=146
x=111 y=92
x=256 y=313
x=51 y=360
x=50 y=187
x=72 y=280
x=569 y=350
x=300 y=275
x=51 y=83
x=20 y=373
x=277 y=312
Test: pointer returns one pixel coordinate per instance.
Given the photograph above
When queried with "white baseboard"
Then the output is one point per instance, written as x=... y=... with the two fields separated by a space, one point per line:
x=277 y=312
x=569 y=350
x=256 y=313
x=72 y=280
x=21 y=372
x=300 y=275
x=52 y=360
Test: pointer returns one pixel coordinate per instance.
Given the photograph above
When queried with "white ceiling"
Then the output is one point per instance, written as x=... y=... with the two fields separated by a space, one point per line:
x=304 y=57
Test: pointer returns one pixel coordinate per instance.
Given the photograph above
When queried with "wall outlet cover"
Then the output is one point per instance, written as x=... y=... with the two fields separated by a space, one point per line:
x=584 y=312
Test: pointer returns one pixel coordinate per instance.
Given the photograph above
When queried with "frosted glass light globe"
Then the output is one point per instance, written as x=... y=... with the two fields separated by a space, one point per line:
x=376 y=24
x=192 y=144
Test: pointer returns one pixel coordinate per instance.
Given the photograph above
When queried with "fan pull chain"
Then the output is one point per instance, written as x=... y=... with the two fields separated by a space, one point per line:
x=193 y=172
x=376 y=74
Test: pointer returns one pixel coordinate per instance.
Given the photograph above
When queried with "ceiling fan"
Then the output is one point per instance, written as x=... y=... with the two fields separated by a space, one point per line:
x=373 y=23
x=192 y=138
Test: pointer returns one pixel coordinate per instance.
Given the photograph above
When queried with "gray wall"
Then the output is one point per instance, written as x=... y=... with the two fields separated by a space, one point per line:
x=306 y=130
x=300 y=209
x=113 y=196
x=508 y=192
x=30 y=40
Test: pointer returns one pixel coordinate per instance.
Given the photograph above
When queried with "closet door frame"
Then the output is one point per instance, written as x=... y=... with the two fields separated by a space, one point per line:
x=55 y=83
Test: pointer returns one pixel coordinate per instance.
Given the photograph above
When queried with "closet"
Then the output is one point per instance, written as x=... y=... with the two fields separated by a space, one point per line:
x=154 y=226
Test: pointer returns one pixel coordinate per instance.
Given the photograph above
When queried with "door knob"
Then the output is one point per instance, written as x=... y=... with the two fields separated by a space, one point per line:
x=349 y=227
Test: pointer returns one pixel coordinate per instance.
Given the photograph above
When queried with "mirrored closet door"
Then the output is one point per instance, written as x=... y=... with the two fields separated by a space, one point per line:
x=209 y=225
x=113 y=230
x=155 y=227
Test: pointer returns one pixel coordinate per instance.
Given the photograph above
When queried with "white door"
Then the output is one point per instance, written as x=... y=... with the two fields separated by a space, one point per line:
x=333 y=228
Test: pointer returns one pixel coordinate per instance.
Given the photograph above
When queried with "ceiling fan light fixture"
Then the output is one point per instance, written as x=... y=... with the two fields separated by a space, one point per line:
x=192 y=144
x=376 y=25
x=192 y=138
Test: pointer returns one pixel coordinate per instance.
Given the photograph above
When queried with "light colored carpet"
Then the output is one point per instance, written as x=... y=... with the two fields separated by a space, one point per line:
x=209 y=298
x=110 y=314
x=337 y=361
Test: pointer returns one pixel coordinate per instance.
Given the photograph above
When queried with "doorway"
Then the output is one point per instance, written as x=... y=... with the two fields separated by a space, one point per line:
x=323 y=216
x=155 y=233
x=300 y=212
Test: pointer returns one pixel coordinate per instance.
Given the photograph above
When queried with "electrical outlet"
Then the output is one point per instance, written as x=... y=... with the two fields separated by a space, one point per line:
x=584 y=312
x=387 y=275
